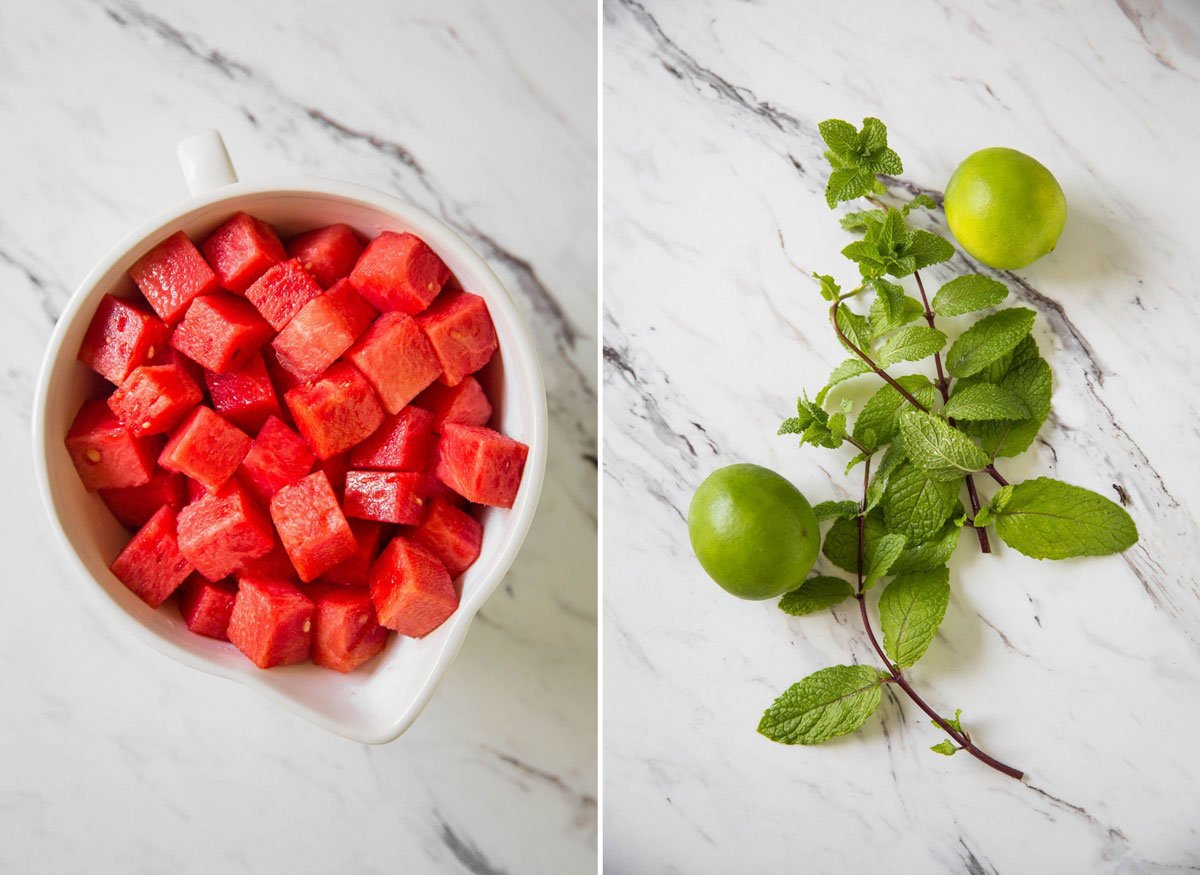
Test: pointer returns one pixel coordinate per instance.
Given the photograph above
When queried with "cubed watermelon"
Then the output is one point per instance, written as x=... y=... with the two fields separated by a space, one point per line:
x=206 y=606
x=386 y=496
x=195 y=491
x=106 y=454
x=451 y=534
x=329 y=253
x=151 y=564
x=396 y=358
x=242 y=250
x=282 y=291
x=402 y=443
x=171 y=274
x=311 y=525
x=481 y=465
x=464 y=404
x=335 y=468
x=462 y=335
x=336 y=411
x=346 y=632
x=169 y=355
x=206 y=448
x=222 y=332
x=399 y=272
x=278 y=457
x=271 y=622
x=411 y=590
x=356 y=571
x=121 y=337
x=134 y=505
x=155 y=398
x=222 y=531
x=323 y=329
x=246 y=397
x=274 y=565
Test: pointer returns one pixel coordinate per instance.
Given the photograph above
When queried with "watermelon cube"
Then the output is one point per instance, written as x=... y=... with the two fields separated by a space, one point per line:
x=206 y=606
x=402 y=443
x=451 y=534
x=171 y=274
x=134 y=505
x=386 y=496
x=481 y=465
x=194 y=491
x=106 y=454
x=246 y=396
x=242 y=250
x=328 y=253
x=346 y=632
x=121 y=337
x=152 y=564
x=311 y=526
x=397 y=358
x=221 y=332
x=412 y=592
x=399 y=272
x=206 y=448
x=336 y=411
x=271 y=622
x=323 y=329
x=278 y=457
x=222 y=531
x=335 y=468
x=356 y=571
x=274 y=565
x=462 y=335
x=282 y=291
x=464 y=404
x=155 y=398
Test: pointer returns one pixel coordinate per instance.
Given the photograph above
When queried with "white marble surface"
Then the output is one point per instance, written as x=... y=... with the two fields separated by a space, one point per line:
x=113 y=758
x=1086 y=673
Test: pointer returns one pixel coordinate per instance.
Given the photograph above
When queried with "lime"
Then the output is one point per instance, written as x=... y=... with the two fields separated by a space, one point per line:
x=1005 y=208
x=753 y=531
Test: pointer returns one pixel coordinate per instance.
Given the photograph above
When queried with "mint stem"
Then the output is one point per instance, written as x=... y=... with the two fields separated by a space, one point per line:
x=869 y=362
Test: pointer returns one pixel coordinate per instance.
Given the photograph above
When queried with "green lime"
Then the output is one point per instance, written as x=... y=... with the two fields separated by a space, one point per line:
x=1005 y=208
x=753 y=531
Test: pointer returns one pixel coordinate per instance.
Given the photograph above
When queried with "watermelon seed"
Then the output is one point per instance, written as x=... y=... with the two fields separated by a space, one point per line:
x=150 y=353
x=307 y=625
x=93 y=455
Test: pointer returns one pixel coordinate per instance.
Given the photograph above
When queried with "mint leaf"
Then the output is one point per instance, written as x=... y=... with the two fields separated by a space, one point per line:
x=891 y=308
x=832 y=510
x=933 y=445
x=917 y=505
x=932 y=554
x=965 y=294
x=878 y=416
x=828 y=287
x=877 y=488
x=792 y=425
x=945 y=748
x=1049 y=519
x=955 y=722
x=861 y=219
x=841 y=542
x=855 y=327
x=988 y=339
x=847 y=184
x=816 y=594
x=910 y=344
x=910 y=611
x=885 y=554
x=926 y=248
x=920 y=201
x=833 y=701
x=1033 y=383
x=841 y=137
x=847 y=370
x=986 y=401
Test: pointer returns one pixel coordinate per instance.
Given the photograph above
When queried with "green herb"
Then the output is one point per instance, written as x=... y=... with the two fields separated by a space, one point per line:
x=816 y=594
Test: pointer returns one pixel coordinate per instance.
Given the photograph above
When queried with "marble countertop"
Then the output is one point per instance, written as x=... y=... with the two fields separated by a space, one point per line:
x=113 y=758
x=1084 y=673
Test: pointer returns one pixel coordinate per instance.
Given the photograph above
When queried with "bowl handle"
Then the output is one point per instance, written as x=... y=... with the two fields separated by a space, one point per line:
x=205 y=162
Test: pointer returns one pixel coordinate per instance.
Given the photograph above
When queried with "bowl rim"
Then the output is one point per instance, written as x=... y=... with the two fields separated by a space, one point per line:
x=534 y=473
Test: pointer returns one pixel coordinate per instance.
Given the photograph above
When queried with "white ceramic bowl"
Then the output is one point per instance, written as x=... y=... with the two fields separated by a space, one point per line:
x=377 y=702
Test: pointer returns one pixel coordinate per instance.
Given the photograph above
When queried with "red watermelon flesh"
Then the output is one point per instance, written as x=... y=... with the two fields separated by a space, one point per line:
x=411 y=590
x=221 y=332
x=282 y=291
x=278 y=457
x=206 y=448
x=195 y=491
x=171 y=274
x=356 y=571
x=323 y=330
x=464 y=404
x=155 y=398
x=399 y=272
x=274 y=565
x=335 y=468
x=311 y=526
x=396 y=358
x=481 y=465
x=246 y=396
x=133 y=506
x=346 y=632
x=121 y=337
x=462 y=335
x=206 y=606
x=242 y=250
x=336 y=411
x=222 y=531
x=152 y=564
x=386 y=496
x=329 y=253
x=106 y=454
x=451 y=534
x=271 y=622
x=402 y=443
